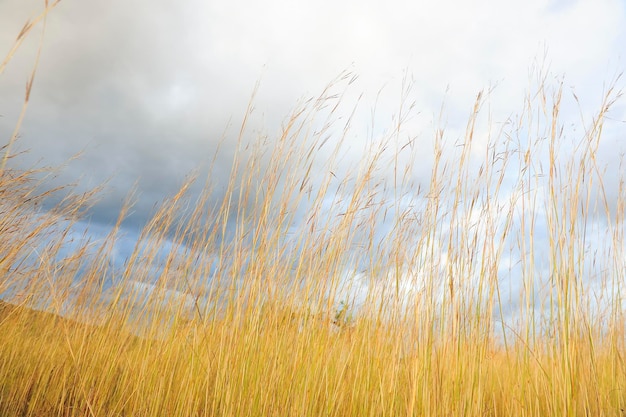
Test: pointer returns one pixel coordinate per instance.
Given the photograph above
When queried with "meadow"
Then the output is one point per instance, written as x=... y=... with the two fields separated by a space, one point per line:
x=309 y=286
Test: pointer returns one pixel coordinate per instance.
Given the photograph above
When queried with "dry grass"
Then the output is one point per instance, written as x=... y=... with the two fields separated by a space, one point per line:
x=245 y=315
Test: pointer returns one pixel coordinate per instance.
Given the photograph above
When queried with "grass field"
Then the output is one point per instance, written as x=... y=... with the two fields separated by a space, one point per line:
x=494 y=289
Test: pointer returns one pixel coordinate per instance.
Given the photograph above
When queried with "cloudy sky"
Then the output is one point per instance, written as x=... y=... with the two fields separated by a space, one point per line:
x=146 y=89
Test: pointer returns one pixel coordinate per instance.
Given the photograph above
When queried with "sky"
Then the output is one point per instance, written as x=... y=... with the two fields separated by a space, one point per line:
x=145 y=90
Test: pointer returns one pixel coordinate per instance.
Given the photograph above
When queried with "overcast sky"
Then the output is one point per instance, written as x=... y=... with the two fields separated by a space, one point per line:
x=147 y=88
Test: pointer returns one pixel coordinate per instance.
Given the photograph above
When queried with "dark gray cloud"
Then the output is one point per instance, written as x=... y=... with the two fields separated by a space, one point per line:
x=117 y=82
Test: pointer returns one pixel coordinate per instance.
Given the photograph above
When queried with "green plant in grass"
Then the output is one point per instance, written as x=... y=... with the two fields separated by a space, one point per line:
x=343 y=317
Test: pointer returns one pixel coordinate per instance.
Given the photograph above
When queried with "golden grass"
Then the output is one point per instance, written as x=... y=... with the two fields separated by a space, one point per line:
x=246 y=316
